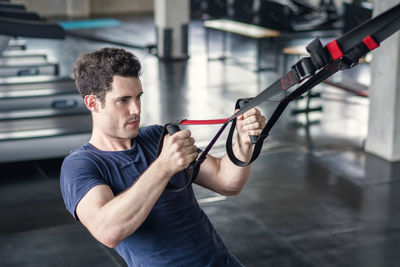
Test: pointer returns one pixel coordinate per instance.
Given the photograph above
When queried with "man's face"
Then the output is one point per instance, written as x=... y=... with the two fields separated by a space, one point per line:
x=119 y=117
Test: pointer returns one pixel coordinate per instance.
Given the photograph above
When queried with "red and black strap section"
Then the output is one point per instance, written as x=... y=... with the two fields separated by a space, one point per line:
x=370 y=43
x=334 y=50
x=341 y=53
x=352 y=56
x=307 y=66
x=202 y=122
x=319 y=55
x=368 y=34
x=303 y=69
x=194 y=167
x=378 y=28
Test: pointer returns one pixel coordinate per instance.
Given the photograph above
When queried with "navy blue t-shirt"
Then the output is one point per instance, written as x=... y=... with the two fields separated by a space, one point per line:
x=176 y=233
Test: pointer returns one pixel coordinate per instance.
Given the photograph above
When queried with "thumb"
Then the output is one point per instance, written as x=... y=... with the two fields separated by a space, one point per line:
x=240 y=117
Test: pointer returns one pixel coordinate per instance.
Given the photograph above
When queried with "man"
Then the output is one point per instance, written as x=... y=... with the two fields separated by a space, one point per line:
x=115 y=186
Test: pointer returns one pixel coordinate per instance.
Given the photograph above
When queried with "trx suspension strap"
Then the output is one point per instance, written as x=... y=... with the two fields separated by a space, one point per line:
x=323 y=62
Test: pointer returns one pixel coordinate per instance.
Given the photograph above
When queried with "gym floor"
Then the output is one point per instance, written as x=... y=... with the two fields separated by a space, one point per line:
x=314 y=197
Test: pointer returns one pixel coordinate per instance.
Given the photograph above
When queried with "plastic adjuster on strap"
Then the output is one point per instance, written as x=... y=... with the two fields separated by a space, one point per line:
x=319 y=56
x=304 y=68
x=334 y=50
x=370 y=43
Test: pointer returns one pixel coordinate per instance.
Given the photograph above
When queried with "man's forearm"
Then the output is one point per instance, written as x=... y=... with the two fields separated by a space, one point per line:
x=223 y=176
x=235 y=177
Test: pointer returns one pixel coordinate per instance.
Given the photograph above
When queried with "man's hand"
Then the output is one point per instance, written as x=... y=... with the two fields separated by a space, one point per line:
x=178 y=151
x=249 y=123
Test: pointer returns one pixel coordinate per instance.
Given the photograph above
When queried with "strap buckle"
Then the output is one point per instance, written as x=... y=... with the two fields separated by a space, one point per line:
x=304 y=68
x=319 y=55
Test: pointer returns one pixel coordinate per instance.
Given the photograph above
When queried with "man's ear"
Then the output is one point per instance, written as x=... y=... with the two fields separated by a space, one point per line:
x=91 y=103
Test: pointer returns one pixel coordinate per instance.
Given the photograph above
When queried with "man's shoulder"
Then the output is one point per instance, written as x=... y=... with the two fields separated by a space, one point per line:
x=82 y=150
x=83 y=155
x=150 y=131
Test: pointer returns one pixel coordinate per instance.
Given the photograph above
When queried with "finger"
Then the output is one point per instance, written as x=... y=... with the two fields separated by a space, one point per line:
x=240 y=117
x=185 y=146
x=251 y=112
x=178 y=137
x=194 y=156
x=189 y=158
x=182 y=134
x=189 y=142
x=168 y=139
x=254 y=132
x=253 y=126
x=184 y=142
x=189 y=150
x=253 y=119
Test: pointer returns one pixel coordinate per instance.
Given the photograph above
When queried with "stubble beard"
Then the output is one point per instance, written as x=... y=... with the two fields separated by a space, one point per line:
x=134 y=131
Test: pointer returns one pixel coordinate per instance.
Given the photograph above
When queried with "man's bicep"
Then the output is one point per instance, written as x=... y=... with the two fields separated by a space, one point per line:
x=88 y=207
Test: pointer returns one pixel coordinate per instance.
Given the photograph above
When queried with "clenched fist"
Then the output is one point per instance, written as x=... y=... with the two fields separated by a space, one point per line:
x=178 y=151
x=252 y=122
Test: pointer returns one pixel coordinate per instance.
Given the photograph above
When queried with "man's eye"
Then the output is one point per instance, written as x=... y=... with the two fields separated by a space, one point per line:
x=123 y=100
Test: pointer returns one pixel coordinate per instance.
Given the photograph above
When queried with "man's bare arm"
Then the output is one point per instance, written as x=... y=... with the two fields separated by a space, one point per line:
x=109 y=218
x=221 y=175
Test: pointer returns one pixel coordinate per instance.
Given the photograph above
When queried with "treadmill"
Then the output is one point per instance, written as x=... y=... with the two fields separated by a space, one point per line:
x=23 y=63
x=36 y=99
x=39 y=54
x=32 y=65
x=41 y=119
x=43 y=138
x=41 y=116
x=14 y=44
x=12 y=5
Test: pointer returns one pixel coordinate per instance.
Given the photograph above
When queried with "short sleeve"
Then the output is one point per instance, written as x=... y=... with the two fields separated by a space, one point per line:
x=78 y=175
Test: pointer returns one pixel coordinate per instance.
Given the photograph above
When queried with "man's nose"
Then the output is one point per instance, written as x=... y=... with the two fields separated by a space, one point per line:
x=134 y=107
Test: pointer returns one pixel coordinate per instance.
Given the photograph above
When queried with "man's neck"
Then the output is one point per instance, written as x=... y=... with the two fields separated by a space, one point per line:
x=107 y=143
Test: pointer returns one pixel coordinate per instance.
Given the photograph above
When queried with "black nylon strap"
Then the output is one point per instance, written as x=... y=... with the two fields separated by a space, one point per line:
x=319 y=55
x=229 y=146
x=317 y=68
x=379 y=27
x=300 y=71
x=161 y=140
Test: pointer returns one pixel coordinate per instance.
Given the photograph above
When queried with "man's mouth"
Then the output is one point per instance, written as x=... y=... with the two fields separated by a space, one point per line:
x=134 y=122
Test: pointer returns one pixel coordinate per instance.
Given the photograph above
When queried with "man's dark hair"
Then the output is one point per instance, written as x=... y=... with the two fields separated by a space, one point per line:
x=94 y=71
